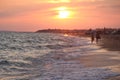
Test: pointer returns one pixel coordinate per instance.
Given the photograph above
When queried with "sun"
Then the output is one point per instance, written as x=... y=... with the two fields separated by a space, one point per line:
x=64 y=14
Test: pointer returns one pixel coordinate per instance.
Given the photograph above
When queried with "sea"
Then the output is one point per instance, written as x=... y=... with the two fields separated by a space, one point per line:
x=46 y=56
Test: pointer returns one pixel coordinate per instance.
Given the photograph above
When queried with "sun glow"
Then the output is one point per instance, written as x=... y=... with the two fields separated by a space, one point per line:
x=63 y=12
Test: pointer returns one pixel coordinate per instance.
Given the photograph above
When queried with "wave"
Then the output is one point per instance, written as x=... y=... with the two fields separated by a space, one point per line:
x=26 y=56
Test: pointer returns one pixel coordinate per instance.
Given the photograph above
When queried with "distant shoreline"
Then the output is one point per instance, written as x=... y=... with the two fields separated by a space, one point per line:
x=109 y=41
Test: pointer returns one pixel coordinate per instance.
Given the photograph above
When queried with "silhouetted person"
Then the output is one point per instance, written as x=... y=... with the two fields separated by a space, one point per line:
x=97 y=36
x=92 y=33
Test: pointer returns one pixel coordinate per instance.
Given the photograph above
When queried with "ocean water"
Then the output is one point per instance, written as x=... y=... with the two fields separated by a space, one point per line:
x=45 y=56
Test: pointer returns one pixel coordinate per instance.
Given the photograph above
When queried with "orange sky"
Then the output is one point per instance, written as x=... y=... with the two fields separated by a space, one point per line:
x=32 y=15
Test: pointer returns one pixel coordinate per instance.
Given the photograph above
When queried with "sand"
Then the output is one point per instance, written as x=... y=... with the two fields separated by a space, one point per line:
x=102 y=58
x=90 y=62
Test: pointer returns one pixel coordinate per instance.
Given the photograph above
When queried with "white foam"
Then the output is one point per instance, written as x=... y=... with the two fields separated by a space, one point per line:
x=29 y=47
x=72 y=70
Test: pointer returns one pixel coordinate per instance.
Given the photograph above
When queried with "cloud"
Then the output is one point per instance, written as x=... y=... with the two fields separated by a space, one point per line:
x=31 y=14
x=111 y=7
x=24 y=9
x=13 y=8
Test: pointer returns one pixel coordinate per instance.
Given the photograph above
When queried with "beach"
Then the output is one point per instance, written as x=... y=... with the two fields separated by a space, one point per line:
x=47 y=56
x=59 y=39
x=95 y=63
x=101 y=58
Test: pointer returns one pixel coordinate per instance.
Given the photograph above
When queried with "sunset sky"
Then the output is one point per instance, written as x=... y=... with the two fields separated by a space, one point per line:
x=32 y=15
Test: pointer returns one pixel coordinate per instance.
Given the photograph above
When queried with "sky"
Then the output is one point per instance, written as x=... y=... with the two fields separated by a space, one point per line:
x=33 y=15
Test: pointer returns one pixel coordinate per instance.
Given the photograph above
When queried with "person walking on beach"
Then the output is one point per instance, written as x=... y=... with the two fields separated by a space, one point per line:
x=92 y=36
x=97 y=36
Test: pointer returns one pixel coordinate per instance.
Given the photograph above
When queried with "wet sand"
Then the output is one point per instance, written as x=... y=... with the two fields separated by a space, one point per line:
x=105 y=59
x=94 y=64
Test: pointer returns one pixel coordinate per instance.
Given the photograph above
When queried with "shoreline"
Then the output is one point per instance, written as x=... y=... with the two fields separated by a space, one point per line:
x=96 y=59
x=106 y=57
x=55 y=57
